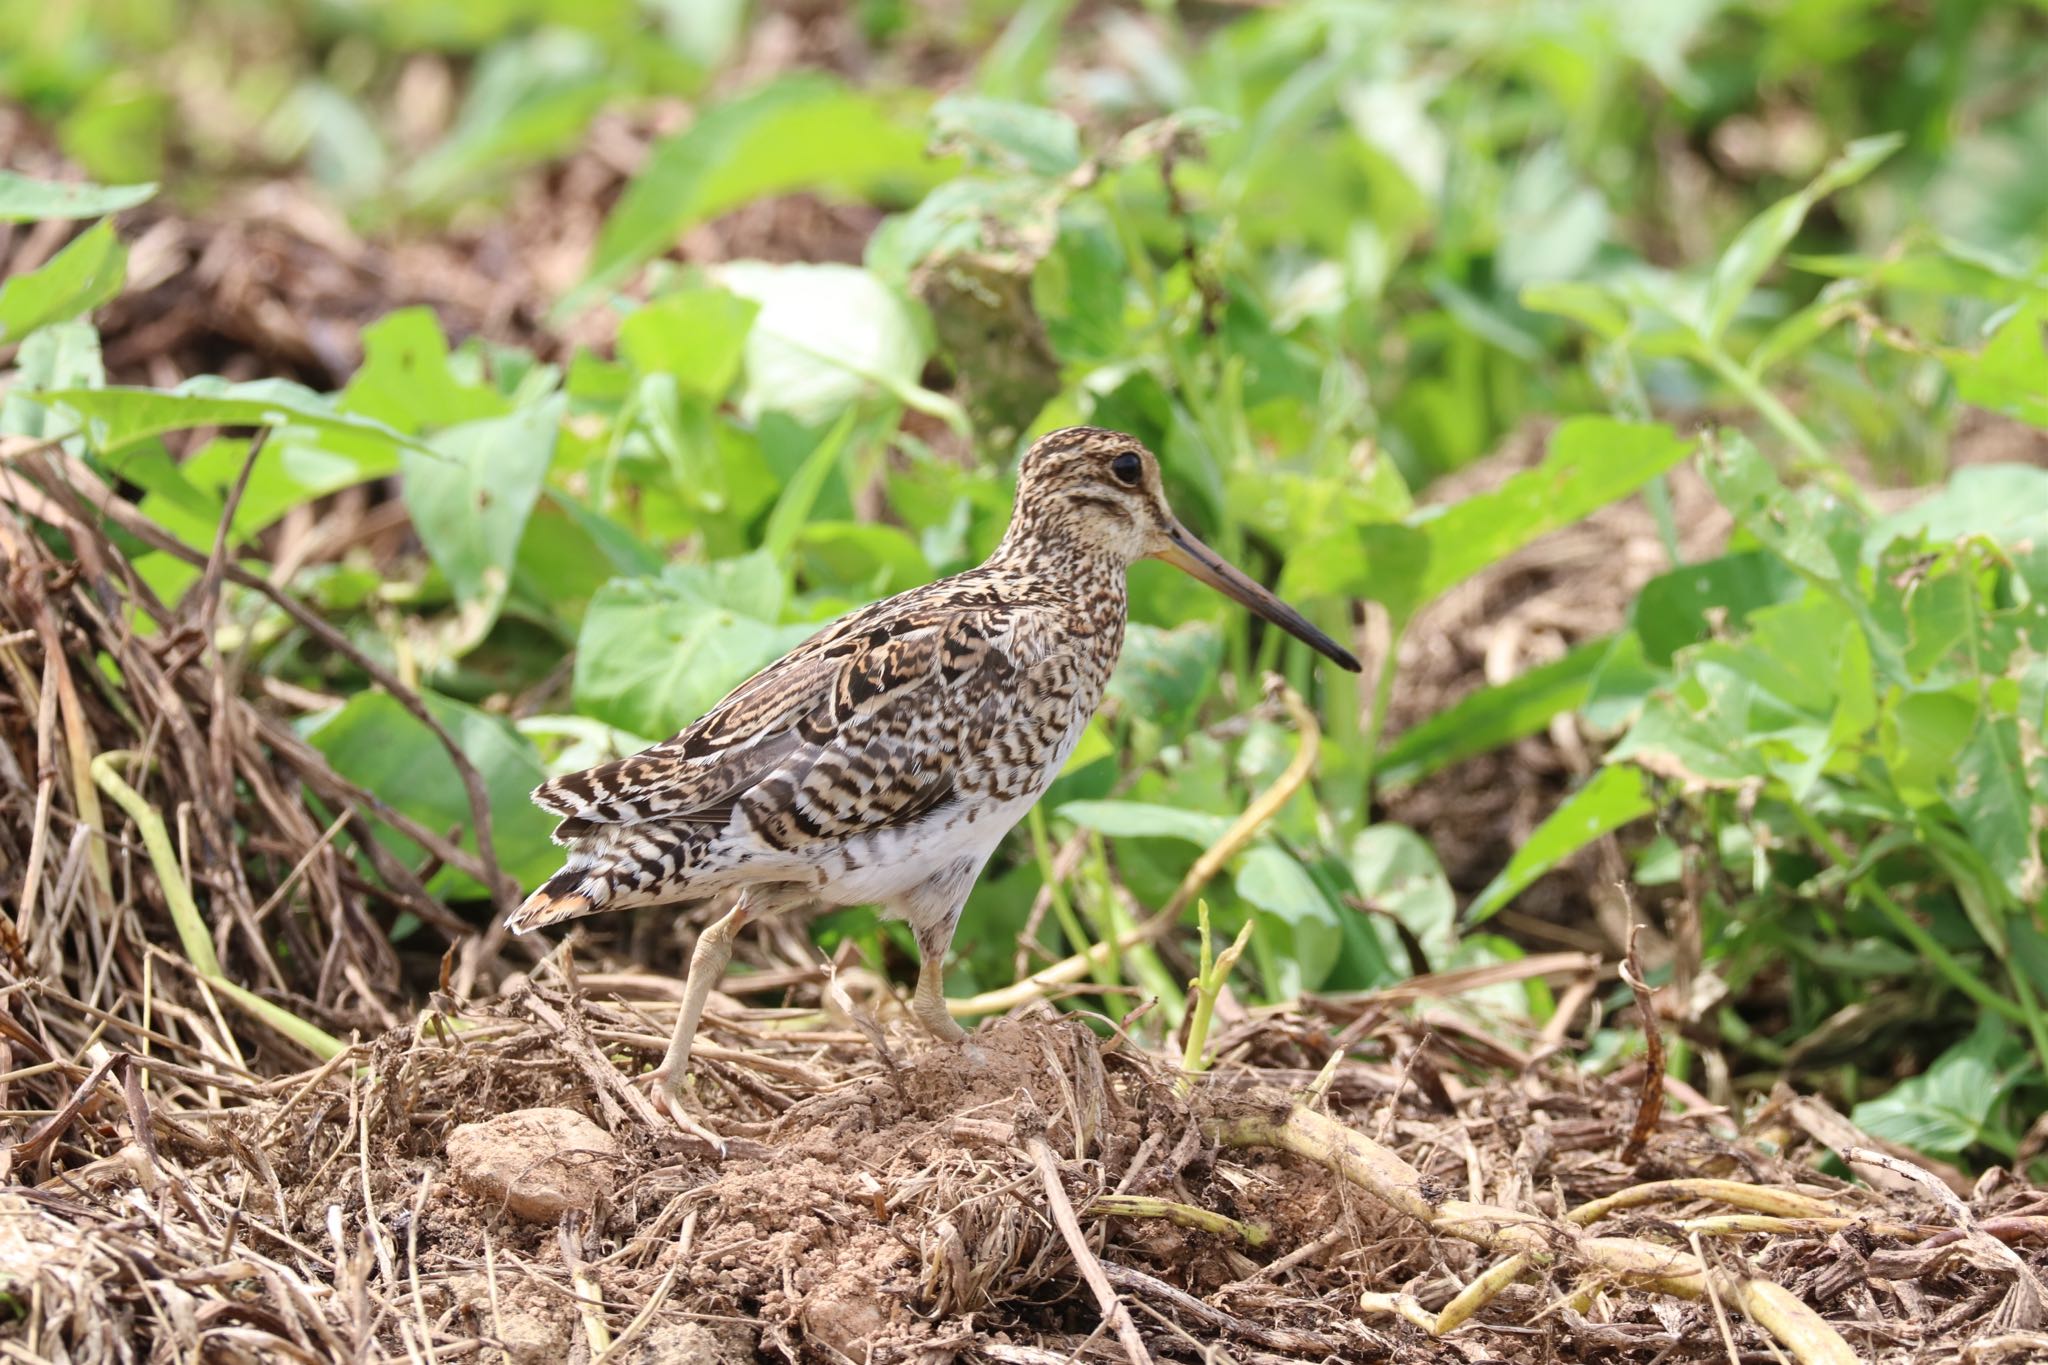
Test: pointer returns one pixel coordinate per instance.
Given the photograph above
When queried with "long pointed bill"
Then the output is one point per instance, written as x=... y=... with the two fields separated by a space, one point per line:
x=1198 y=561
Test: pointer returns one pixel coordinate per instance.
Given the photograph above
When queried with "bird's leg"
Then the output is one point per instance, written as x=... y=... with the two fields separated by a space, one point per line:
x=707 y=967
x=929 y=1003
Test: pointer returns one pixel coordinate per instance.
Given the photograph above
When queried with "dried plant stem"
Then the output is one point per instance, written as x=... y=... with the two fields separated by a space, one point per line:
x=1242 y=831
x=185 y=917
x=1113 y=1310
x=1181 y=1215
x=1642 y=1264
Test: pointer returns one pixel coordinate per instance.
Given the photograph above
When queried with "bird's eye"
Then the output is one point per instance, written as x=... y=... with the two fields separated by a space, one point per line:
x=1127 y=468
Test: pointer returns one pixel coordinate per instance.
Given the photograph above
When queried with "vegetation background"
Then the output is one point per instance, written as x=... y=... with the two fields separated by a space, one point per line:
x=1654 y=391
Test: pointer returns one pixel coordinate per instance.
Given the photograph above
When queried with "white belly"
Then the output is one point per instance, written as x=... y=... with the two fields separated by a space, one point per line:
x=887 y=866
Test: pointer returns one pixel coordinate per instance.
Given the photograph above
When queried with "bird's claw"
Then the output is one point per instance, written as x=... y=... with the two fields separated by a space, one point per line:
x=668 y=1101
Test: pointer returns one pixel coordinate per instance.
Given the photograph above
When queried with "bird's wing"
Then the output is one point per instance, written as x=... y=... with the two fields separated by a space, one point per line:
x=856 y=729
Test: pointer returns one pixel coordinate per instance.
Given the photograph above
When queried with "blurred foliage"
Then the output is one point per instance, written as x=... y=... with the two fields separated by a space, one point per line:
x=1315 y=256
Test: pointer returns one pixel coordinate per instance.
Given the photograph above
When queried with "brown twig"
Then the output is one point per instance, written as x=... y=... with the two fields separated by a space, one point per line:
x=1062 y=1209
x=1650 y=1098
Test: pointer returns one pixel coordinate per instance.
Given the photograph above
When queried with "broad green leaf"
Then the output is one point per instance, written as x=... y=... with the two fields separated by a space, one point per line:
x=826 y=337
x=406 y=381
x=64 y=355
x=118 y=415
x=1592 y=305
x=802 y=132
x=1016 y=137
x=1995 y=808
x=697 y=334
x=656 y=653
x=2006 y=502
x=529 y=98
x=1163 y=676
x=2010 y=375
x=865 y=560
x=1140 y=820
x=1615 y=795
x=1766 y=236
x=1551 y=222
x=1809 y=530
x=1592 y=461
x=23 y=200
x=1276 y=883
x=373 y=742
x=793 y=508
x=1688 y=604
x=470 y=499
x=1397 y=872
x=85 y=274
x=1492 y=716
x=1948 y=1108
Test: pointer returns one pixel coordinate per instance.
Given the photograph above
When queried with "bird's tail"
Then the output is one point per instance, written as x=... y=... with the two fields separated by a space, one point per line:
x=578 y=889
x=614 y=867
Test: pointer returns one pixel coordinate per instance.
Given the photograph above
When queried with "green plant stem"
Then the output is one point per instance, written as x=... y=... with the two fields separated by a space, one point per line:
x=185 y=916
x=1909 y=928
x=1376 y=719
x=1207 y=987
x=1180 y=1215
x=1813 y=455
x=1077 y=938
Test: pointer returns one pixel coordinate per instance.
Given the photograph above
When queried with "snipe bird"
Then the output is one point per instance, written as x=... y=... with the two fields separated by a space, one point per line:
x=882 y=760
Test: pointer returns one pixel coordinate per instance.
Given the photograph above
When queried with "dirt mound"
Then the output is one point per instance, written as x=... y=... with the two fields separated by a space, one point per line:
x=936 y=1205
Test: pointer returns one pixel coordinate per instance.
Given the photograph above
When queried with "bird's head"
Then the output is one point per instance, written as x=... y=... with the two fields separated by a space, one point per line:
x=1100 y=490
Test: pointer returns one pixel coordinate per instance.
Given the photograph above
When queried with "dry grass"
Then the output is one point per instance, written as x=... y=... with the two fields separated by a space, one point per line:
x=226 y=1115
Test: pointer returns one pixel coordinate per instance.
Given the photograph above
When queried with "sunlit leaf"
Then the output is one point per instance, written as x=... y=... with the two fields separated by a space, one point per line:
x=656 y=653
x=1615 y=796
x=85 y=274
x=376 y=744
x=1757 y=247
x=803 y=132
x=470 y=499
x=23 y=200
x=1492 y=716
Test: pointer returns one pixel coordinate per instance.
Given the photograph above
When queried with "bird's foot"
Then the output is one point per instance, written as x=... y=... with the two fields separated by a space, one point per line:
x=671 y=1098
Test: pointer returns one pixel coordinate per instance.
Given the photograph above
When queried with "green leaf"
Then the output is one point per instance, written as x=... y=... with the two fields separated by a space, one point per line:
x=1271 y=879
x=1164 y=675
x=1397 y=872
x=1615 y=796
x=470 y=499
x=1493 y=716
x=62 y=356
x=1995 y=808
x=1014 y=136
x=376 y=744
x=826 y=337
x=799 y=133
x=406 y=381
x=2010 y=375
x=1592 y=461
x=23 y=200
x=85 y=274
x=1757 y=247
x=528 y=99
x=698 y=334
x=2007 y=503
x=1948 y=1109
x=863 y=559
x=793 y=508
x=1688 y=604
x=656 y=653
x=117 y=416
x=1142 y=820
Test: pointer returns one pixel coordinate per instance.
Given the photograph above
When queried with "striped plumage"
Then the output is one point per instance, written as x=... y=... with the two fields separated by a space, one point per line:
x=882 y=760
